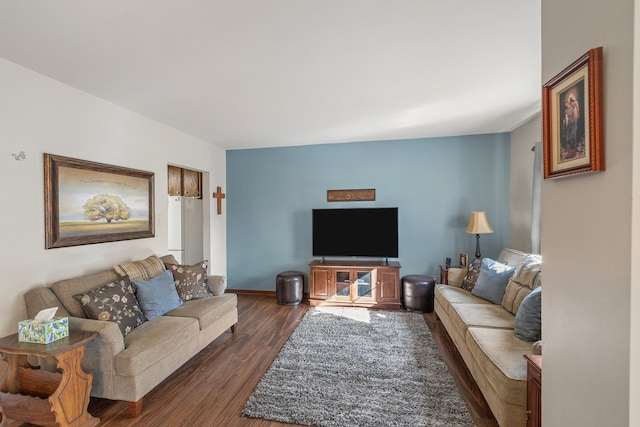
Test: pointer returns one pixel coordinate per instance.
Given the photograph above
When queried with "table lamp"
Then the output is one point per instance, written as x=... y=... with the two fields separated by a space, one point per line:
x=478 y=224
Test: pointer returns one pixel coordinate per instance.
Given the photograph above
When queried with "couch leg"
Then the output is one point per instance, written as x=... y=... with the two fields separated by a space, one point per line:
x=234 y=328
x=135 y=408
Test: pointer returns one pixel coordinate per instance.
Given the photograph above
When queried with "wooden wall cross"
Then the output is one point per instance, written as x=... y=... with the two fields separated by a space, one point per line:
x=219 y=195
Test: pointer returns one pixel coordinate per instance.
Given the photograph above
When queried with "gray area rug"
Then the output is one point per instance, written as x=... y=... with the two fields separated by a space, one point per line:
x=354 y=367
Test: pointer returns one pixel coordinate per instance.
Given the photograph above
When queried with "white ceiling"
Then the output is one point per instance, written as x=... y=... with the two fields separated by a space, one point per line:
x=260 y=73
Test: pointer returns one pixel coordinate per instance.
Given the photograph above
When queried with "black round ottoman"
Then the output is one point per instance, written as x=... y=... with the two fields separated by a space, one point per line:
x=417 y=293
x=289 y=287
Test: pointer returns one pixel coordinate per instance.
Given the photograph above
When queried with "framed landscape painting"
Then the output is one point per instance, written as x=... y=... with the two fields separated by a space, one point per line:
x=88 y=202
x=572 y=118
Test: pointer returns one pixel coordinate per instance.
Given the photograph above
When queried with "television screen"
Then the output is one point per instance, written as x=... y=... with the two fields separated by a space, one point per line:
x=358 y=232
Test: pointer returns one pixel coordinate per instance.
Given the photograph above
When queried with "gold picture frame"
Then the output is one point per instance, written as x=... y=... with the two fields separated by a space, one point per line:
x=572 y=120
x=88 y=202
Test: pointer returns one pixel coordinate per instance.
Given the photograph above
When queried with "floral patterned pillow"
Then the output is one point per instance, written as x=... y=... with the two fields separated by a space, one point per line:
x=472 y=275
x=191 y=280
x=113 y=302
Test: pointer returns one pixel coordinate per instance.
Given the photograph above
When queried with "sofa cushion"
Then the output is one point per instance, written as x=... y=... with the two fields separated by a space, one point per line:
x=190 y=280
x=498 y=354
x=527 y=277
x=157 y=295
x=464 y=316
x=113 y=302
x=514 y=257
x=528 y=325
x=66 y=289
x=472 y=275
x=141 y=270
x=206 y=310
x=150 y=342
x=446 y=295
x=492 y=280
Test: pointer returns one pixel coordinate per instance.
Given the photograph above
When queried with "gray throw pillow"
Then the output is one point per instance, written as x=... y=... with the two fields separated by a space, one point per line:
x=529 y=317
x=158 y=295
x=492 y=280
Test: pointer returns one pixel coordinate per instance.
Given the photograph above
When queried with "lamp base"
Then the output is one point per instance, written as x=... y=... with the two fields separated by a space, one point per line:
x=478 y=255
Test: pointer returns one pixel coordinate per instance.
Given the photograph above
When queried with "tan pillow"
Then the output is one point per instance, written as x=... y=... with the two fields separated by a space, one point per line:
x=526 y=278
x=455 y=276
x=514 y=294
x=141 y=270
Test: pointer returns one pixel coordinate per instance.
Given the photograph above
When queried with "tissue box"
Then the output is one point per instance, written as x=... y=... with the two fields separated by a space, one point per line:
x=43 y=332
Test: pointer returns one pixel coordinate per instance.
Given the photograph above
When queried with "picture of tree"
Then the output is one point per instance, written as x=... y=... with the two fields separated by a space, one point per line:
x=88 y=202
x=106 y=206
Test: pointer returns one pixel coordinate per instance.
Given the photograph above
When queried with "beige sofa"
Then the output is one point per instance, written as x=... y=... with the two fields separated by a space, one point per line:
x=483 y=333
x=128 y=367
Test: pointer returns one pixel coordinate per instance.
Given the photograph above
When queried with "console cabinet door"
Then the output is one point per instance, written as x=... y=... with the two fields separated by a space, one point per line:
x=342 y=285
x=387 y=284
x=320 y=283
x=363 y=289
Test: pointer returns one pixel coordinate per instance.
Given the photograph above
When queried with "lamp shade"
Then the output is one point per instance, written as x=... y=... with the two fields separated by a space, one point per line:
x=479 y=224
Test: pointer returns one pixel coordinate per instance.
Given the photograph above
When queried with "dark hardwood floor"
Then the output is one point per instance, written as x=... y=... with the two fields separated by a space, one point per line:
x=212 y=388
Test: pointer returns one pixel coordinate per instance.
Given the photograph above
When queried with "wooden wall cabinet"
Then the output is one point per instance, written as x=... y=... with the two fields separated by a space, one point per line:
x=354 y=283
x=184 y=182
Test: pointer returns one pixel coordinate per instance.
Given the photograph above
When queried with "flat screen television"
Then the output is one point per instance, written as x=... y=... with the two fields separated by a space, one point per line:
x=356 y=232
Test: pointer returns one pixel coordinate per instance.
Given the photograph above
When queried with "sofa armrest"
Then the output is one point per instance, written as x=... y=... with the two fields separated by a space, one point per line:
x=536 y=347
x=109 y=331
x=217 y=284
x=100 y=353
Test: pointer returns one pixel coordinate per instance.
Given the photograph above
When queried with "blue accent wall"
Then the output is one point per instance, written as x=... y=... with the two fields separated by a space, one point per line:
x=434 y=182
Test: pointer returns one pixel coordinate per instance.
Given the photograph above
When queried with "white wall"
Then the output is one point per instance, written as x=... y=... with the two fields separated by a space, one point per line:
x=39 y=115
x=634 y=374
x=586 y=232
x=521 y=177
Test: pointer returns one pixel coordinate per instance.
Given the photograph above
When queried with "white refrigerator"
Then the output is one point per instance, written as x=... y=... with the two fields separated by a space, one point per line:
x=185 y=229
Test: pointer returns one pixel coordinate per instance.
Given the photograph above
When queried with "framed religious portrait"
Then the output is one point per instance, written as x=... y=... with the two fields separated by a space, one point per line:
x=463 y=260
x=572 y=123
x=87 y=202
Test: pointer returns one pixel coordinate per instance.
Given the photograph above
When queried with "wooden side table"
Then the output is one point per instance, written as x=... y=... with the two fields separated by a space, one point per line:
x=46 y=398
x=534 y=390
x=444 y=274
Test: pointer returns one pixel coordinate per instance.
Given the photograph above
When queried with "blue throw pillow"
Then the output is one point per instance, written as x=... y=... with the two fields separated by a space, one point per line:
x=529 y=317
x=492 y=280
x=157 y=295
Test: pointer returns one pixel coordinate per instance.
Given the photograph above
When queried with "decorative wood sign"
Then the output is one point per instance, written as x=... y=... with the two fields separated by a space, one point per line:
x=361 y=195
x=219 y=195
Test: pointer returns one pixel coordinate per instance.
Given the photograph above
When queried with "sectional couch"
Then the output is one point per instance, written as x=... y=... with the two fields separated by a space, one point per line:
x=484 y=333
x=127 y=364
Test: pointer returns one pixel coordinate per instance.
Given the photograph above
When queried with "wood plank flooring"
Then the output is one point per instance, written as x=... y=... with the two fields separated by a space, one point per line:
x=211 y=389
